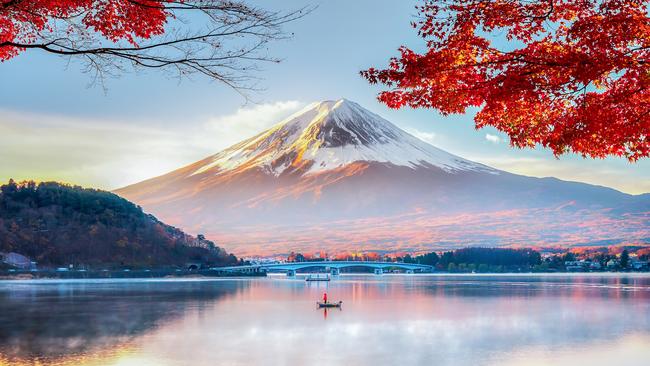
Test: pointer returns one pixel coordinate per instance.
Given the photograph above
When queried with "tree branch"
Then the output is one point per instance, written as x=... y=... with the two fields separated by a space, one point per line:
x=225 y=40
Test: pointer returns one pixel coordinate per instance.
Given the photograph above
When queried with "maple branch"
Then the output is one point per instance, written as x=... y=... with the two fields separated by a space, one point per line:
x=10 y=3
x=225 y=40
x=578 y=79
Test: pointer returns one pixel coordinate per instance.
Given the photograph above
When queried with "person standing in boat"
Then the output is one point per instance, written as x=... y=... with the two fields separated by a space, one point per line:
x=325 y=297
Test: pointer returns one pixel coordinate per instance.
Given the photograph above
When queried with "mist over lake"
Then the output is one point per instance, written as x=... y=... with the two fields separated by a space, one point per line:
x=387 y=319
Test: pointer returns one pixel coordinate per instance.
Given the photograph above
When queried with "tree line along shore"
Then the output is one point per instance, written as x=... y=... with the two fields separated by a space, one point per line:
x=503 y=260
x=56 y=230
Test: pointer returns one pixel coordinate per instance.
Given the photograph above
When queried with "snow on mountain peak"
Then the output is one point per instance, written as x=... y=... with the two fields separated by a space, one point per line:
x=328 y=135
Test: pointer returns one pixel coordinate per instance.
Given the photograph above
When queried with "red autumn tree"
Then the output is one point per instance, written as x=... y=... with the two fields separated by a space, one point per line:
x=571 y=75
x=221 y=39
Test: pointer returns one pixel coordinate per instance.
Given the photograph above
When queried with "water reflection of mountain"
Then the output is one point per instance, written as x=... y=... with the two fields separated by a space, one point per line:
x=58 y=320
x=452 y=320
x=633 y=287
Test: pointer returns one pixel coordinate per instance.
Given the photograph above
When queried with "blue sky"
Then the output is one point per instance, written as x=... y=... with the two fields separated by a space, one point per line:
x=53 y=125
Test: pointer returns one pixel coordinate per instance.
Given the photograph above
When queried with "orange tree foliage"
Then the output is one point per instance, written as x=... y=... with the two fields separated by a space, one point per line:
x=571 y=75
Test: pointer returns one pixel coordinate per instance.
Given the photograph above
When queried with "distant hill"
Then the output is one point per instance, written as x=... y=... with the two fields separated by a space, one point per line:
x=56 y=224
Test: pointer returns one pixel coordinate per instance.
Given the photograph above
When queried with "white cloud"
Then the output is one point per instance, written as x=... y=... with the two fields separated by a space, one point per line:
x=422 y=135
x=99 y=153
x=112 y=153
x=492 y=138
x=246 y=122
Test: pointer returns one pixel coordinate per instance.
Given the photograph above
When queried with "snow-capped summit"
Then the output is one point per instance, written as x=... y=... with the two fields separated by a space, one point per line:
x=329 y=135
x=338 y=177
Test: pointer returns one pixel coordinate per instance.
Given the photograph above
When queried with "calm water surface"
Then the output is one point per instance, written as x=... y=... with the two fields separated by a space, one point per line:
x=389 y=319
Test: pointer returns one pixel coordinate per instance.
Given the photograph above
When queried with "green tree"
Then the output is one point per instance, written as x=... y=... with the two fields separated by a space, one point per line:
x=447 y=258
x=569 y=257
x=57 y=224
x=625 y=259
x=535 y=258
x=429 y=258
x=452 y=267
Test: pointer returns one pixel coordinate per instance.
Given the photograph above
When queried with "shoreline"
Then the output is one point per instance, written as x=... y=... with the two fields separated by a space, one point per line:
x=122 y=274
x=207 y=274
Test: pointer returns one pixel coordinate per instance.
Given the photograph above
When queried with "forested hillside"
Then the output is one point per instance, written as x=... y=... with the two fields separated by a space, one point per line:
x=56 y=224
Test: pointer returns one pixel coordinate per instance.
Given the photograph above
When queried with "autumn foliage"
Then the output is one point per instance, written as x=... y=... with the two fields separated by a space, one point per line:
x=569 y=75
x=22 y=22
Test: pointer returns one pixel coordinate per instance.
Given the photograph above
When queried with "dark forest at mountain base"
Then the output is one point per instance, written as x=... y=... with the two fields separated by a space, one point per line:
x=55 y=225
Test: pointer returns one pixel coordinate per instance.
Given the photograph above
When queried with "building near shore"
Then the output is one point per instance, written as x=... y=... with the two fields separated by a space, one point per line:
x=17 y=260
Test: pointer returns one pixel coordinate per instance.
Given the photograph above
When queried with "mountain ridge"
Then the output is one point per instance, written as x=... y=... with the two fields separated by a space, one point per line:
x=335 y=163
x=332 y=134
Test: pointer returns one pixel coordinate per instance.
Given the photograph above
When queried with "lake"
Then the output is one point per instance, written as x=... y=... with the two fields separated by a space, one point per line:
x=385 y=320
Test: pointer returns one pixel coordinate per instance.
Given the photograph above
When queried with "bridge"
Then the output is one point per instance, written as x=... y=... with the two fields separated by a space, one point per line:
x=334 y=267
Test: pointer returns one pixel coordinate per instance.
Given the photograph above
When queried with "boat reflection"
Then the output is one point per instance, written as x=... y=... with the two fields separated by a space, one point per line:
x=392 y=319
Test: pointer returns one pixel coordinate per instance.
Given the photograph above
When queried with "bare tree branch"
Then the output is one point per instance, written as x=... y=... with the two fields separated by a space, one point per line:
x=223 y=40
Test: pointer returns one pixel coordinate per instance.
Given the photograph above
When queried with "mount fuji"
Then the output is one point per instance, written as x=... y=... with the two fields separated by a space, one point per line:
x=337 y=177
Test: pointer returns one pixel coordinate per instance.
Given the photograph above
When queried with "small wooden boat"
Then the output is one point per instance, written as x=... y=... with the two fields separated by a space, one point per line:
x=329 y=304
x=317 y=278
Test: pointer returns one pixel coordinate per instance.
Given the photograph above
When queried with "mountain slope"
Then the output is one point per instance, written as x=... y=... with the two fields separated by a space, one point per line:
x=335 y=168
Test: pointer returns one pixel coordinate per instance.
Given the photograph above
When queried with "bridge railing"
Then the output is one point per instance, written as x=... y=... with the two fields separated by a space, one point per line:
x=345 y=264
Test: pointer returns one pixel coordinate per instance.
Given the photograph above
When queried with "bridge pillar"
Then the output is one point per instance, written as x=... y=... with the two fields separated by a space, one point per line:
x=291 y=273
x=379 y=271
x=335 y=271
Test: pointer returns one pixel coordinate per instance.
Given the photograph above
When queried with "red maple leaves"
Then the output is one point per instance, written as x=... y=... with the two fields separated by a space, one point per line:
x=24 y=21
x=569 y=75
x=220 y=39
